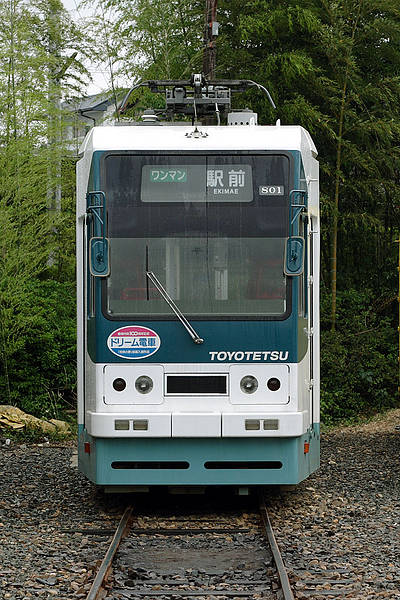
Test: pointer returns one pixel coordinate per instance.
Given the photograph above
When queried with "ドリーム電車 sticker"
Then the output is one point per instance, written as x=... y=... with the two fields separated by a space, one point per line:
x=133 y=342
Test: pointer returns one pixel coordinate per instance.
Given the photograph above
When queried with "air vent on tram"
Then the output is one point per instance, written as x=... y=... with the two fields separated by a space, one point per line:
x=248 y=464
x=145 y=464
x=196 y=385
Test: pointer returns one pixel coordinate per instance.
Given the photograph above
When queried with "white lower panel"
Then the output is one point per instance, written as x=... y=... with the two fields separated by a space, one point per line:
x=103 y=424
x=288 y=424
x=196 y=425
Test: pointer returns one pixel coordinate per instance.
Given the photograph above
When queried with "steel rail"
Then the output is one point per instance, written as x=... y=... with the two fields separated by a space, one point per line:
x=95 y=592
x=282 y=573
x=105 y=566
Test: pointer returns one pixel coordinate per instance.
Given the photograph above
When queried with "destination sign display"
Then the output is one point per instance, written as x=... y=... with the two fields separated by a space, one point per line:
x=197 y=183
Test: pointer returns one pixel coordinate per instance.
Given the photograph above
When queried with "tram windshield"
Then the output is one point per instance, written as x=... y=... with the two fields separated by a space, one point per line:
x=211 y=228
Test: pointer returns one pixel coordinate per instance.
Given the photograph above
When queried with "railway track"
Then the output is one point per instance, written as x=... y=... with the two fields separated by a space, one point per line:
x=198 y=554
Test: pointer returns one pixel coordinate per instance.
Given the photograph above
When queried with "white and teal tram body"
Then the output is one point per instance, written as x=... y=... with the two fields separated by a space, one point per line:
x=198 y=313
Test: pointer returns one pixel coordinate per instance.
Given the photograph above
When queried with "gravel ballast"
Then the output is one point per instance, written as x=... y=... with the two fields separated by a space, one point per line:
x=41 y=495
x=338 y=531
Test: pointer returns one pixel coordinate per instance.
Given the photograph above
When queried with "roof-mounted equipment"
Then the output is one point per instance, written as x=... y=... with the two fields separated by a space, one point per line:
x=197 y=96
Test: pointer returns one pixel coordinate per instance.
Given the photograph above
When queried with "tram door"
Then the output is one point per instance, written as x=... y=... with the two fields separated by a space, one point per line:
x=310 y=286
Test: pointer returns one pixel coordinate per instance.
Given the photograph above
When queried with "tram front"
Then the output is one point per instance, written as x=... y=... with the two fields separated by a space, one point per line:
x=199 y=344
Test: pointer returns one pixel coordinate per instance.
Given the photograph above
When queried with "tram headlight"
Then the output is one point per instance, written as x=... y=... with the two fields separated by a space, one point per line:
x=119 y=384
x=144 y=384
x=248 y=384
x=273 y=384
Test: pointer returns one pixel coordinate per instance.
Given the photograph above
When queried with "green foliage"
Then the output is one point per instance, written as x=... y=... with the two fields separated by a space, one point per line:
x=41 y=360
x=157 y=39
x=359 y=359
x=37 y=321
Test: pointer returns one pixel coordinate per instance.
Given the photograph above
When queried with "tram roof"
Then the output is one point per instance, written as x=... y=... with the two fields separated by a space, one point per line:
x=173 y=137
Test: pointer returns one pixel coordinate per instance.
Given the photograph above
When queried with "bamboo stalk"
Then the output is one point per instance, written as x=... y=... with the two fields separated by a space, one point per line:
x=334 y=238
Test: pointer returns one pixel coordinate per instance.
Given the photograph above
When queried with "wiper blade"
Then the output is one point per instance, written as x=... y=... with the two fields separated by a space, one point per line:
x=163 y=292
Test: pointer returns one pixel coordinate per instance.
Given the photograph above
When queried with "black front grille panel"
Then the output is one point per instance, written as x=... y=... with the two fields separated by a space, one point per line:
x=197 y=384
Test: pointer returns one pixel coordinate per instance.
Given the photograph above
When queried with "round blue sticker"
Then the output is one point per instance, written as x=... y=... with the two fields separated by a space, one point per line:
x=133 y=342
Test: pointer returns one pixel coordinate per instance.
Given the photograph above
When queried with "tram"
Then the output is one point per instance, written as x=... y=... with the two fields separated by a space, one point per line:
x=198 y=296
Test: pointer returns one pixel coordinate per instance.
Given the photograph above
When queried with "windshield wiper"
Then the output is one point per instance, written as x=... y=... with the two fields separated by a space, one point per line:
x=163 y=292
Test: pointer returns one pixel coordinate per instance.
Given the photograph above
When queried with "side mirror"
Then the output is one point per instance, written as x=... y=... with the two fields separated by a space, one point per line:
x=294 y=256
x=99 y=247
x=99 y=257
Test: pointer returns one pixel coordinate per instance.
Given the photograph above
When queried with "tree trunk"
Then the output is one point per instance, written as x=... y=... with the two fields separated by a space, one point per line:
x=337 y=179
x=336 y=208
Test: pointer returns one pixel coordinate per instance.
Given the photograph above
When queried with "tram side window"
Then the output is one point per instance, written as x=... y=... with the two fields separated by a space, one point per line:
x=90 y=278
x=302 y=287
